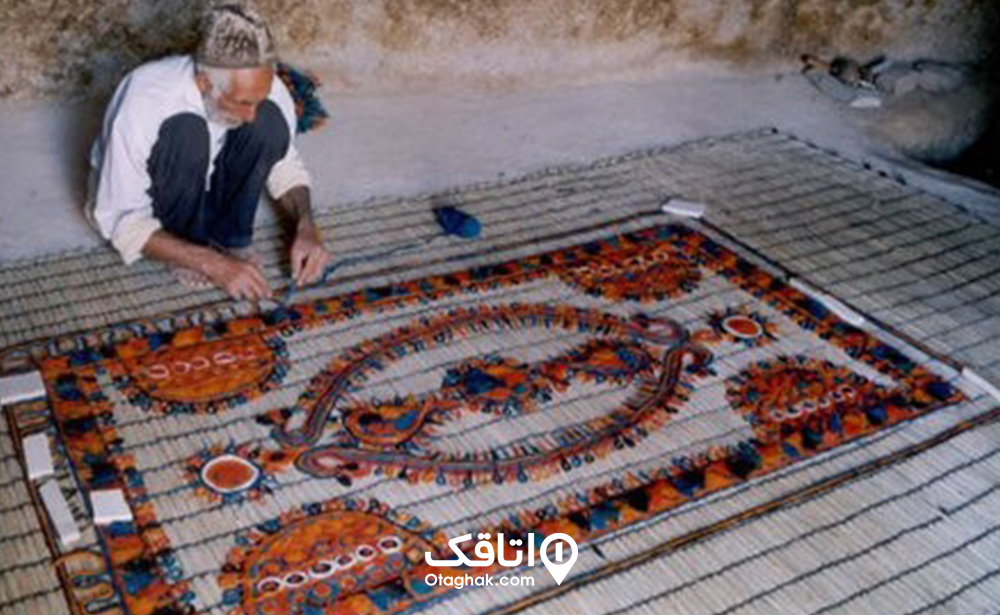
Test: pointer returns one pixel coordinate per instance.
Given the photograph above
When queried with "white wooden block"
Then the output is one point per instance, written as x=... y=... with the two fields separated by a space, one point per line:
x=21 y=387
x=845 y=313
x=688 y=209
x=38 y=456
x=59 y=513
x=109 y=506
x=802 y=286
x=981 y=383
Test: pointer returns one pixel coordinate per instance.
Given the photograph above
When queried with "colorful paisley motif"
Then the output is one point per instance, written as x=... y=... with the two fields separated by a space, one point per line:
x=393 y=436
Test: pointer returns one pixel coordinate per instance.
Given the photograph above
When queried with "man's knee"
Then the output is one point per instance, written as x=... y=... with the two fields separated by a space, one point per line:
x=269 y=131
x=177 y=166
x=181 y=146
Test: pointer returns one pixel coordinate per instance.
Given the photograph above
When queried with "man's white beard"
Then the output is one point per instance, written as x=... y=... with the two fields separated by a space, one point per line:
x=216 y=115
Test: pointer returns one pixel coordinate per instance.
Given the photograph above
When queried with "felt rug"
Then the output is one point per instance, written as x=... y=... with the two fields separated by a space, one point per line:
x=644 y=386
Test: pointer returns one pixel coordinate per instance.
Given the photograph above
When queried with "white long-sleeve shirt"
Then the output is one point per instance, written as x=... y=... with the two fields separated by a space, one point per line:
x=119 y=205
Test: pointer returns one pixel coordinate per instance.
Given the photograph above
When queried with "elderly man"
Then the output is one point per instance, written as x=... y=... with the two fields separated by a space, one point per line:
x=187 y=147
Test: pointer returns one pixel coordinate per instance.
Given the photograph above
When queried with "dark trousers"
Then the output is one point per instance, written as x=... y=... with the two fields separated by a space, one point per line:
x=221 y=215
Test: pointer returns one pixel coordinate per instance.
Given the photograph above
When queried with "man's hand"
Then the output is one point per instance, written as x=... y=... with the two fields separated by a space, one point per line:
x=241 y=279
x=309 y=257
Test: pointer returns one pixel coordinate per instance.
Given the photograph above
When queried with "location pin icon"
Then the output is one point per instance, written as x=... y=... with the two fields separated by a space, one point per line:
x=564 y=561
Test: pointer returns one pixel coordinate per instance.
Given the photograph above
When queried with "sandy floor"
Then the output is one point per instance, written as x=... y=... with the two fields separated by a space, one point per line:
x=401 y=145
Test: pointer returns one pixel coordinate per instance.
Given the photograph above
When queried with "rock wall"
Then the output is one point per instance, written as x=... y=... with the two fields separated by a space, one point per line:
x=81 y=47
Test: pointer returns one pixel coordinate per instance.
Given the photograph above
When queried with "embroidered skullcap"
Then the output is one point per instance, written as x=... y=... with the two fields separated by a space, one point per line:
x=234 y=35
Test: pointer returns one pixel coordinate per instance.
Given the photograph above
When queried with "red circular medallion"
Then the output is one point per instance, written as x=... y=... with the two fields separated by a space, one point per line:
x=742 y=327
x=229 y=474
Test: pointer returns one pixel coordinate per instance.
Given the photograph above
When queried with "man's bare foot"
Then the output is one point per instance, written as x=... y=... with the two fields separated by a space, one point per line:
x=195 y=280
x=189 y=278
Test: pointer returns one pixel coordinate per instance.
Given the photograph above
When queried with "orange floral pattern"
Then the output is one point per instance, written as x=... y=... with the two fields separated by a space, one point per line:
x=199 y=371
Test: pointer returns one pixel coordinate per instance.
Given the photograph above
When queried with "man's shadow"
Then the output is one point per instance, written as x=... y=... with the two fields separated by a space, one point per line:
x=151 y=30
x=80 y=126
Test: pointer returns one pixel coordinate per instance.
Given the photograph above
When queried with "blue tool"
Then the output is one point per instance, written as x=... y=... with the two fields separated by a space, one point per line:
x=456 y=222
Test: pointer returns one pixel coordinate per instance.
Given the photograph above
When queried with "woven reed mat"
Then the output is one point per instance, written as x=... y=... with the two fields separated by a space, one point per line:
x=715 y=440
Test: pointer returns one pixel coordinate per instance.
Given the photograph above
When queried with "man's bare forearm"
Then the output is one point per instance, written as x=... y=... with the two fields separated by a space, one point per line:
x=240 y=279
x=297 y=203
x=308 y=255
x=171 y=249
